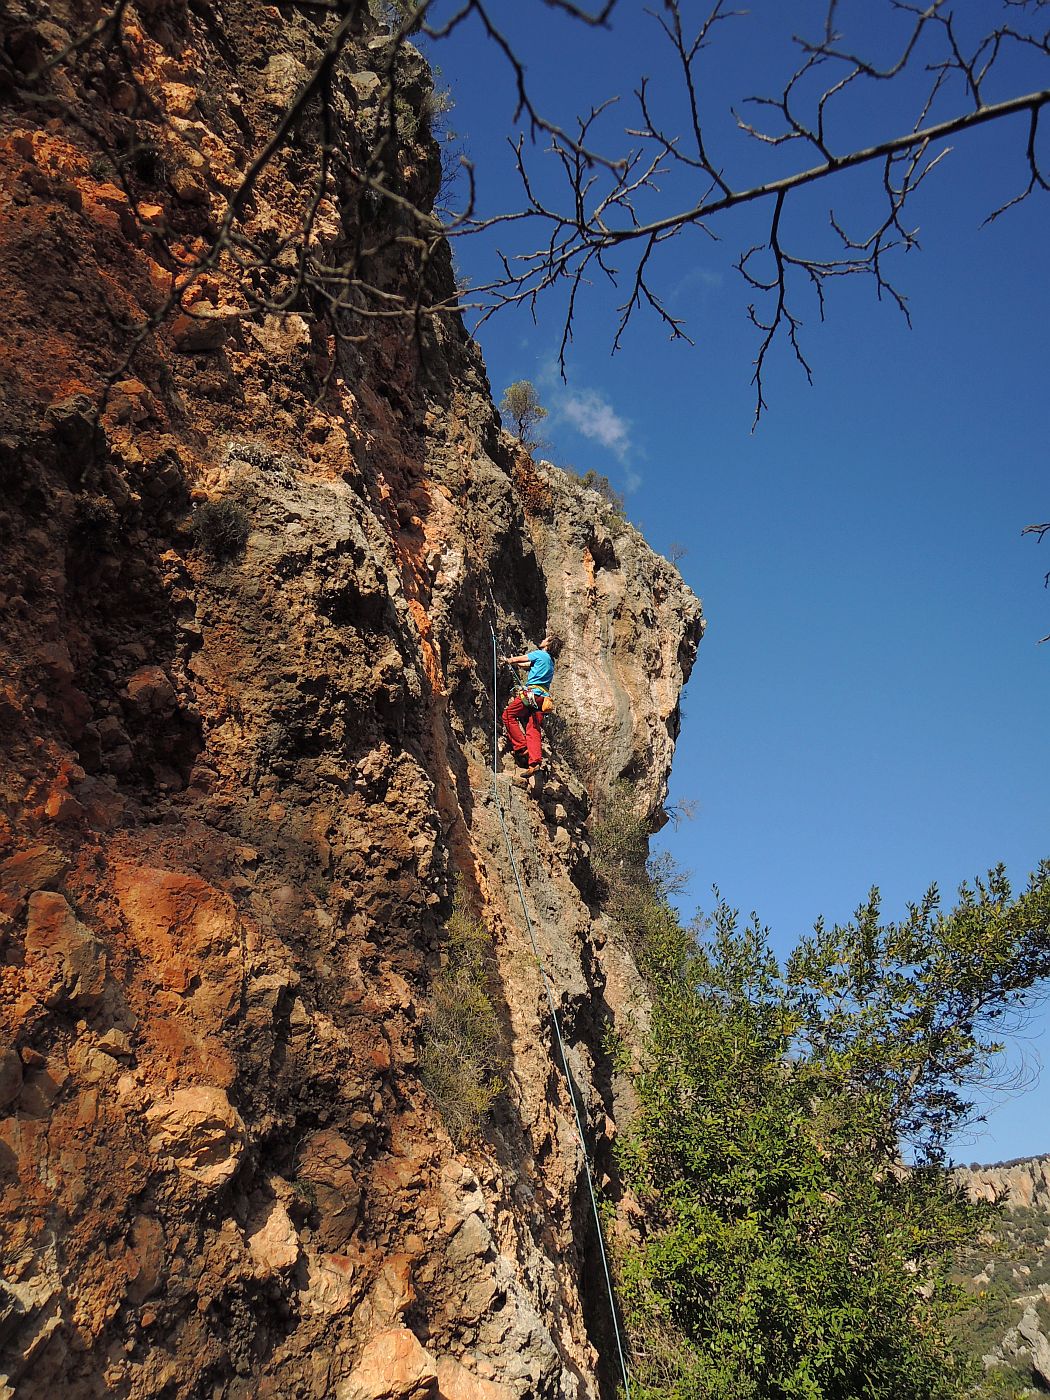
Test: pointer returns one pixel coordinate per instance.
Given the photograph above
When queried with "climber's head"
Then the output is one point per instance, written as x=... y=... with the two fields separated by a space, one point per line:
x=551 y=644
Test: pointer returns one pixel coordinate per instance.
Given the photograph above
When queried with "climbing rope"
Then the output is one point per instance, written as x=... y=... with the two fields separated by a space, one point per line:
x=554 y=1016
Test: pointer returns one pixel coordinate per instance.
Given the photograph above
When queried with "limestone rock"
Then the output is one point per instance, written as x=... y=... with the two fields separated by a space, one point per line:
x=65 y=960
x=366 y=85
x=264 y=777
x=282 y=77
x=631 y=627
x=272 y=1240
x=1018 y=1185
x=455 y=1382
x=1030 y=1330
x=393 y=1366
x=472 y=1240
x=201 y=1130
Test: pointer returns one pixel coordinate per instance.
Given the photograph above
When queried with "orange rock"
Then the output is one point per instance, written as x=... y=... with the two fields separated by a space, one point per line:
x=131 y=402
x=41 y=1088
x=330 y=1287
x=272 y=1240
x=161 y=280
x=189 y=939
x=185 y=927
x=203 y=331
x=74 y=711
x=64 y=960
x=28 y=870
x=455 y=1382
x=201 y=1130
x=151 y=692
x=326 y=1160
x=102 y=806
x=107 y=206
x=56 y=661
x=188 y=186
x=180 y=100
x=393 y=1366
x=10 y=1077
x=394 y=1291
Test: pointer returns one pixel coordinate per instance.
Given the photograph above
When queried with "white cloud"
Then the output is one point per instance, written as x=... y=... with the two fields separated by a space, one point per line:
x=700 y=280
x=549 y=372
x=593 y=416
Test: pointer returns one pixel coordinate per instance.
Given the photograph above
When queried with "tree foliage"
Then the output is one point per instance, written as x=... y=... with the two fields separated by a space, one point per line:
x=521 y=404
x=914 y=1011
x=783 y=1250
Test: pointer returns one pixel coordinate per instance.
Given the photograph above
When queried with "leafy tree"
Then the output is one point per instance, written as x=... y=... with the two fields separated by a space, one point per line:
x=784 y=1252
x=912 y=1010
x=522 y=404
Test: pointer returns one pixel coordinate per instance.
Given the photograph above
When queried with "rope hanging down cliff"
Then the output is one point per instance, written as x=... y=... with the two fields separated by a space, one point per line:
x=554 y=1017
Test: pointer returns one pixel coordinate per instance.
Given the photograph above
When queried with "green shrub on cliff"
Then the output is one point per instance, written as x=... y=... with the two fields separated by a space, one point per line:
x=635 y=890
x=462 y=1046
x=595 y=481
x=784 y=1252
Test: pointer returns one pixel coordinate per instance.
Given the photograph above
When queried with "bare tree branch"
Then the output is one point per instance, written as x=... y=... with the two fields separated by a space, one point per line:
x=606 y=220
x=599 y=202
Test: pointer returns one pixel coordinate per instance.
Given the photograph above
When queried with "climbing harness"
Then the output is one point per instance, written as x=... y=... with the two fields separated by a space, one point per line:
x=535 y=696
x=548 y=988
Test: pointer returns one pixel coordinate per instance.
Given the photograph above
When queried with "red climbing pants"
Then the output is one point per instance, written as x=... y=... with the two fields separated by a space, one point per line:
x=530 y=741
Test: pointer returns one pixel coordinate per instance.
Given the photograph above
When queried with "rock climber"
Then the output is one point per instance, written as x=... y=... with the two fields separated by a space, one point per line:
x=529 y=701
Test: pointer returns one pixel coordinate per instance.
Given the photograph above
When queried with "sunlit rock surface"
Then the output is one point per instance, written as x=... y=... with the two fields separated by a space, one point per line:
x=235 y=796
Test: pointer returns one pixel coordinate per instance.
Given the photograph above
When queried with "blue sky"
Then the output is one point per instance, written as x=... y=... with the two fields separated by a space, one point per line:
x=869 y=705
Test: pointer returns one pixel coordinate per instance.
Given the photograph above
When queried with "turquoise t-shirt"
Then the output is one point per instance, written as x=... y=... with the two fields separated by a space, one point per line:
x=541 y=668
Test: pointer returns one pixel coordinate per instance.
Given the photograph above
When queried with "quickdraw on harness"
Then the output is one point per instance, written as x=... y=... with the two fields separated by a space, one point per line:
x=535 y=696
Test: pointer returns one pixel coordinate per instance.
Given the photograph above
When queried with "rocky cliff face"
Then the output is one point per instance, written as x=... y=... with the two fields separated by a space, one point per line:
x=1008 y=1276
x=239 y=785
x=1018 y=1185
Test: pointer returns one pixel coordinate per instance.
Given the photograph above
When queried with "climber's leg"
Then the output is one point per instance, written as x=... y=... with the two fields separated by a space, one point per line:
x=534 y=739
x=512 y=716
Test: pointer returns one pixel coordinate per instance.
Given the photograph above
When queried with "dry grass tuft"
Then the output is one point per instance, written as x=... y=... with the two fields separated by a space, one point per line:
x=462 y=1054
